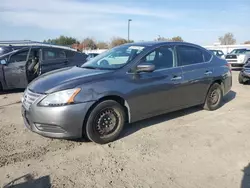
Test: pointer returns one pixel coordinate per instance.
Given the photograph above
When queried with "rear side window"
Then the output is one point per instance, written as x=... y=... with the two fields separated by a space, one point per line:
x=188 y=55
x=70 y=53
x=50 y=54
x=207 y=56
x=61 y=54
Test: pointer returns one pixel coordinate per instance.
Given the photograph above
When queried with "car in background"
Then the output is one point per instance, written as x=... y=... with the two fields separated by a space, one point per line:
x=125 y=84
x=7 y=49
x=244 y=75
x=91 y=56
x=218 y=53
x=238 y=57
x=20 y=66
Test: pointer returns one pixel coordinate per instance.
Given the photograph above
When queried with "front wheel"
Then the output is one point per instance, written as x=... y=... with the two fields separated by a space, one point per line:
x=1 y=87
x=240 y=79
x=214 y=97
x=105 y=122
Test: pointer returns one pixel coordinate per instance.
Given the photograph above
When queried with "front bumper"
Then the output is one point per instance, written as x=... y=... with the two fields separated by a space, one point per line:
x=245 y=75
x=236 y=65
x=56 y=122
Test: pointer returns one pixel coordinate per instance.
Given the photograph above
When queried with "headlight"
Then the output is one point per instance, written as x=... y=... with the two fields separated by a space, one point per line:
x=60 y=98
x=241 y=58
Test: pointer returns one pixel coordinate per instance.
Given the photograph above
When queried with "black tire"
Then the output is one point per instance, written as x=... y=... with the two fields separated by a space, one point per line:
x=240 y=79
x=1 y=87
x=214 y=97
x=105 y=122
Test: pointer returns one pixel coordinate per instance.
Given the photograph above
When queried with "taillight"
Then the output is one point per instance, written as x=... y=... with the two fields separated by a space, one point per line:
x=229 y=66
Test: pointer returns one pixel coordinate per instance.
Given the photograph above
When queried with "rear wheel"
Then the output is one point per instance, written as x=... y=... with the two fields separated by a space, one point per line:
x=214 y=97
x=105 y=122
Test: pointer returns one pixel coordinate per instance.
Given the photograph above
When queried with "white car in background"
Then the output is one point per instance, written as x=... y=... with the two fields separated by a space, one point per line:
x=218 y=53
x=238 y=57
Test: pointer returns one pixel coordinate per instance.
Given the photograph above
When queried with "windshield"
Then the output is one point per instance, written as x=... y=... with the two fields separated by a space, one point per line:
x=114 y=58
x=6 y=54
x=240 y=51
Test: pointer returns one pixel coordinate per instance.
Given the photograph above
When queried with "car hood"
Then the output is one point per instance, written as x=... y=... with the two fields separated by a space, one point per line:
x=65 y=78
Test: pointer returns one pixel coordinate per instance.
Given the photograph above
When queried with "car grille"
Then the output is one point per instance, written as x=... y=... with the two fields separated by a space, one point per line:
x=231 y=56
x=29 y=98
x=232 y=61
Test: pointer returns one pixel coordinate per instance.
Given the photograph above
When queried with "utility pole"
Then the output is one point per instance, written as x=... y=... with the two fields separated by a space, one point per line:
x=129 y=20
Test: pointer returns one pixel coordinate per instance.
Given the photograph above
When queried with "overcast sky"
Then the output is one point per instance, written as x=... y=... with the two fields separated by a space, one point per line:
x=197 y=21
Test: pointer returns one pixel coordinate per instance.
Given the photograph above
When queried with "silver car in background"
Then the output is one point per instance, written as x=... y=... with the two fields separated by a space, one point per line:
x=238 y=57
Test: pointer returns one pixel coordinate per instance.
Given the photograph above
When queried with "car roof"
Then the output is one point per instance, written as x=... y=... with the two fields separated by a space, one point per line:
x=160 y=43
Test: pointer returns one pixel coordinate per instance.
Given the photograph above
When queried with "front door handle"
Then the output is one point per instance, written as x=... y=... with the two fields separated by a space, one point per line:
x=176 y=78
x=208 y=72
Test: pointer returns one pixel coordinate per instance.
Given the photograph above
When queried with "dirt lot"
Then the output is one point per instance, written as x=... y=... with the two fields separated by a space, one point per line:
x=189 y=148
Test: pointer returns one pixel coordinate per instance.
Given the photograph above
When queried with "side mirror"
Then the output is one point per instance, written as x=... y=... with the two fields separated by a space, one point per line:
x=145 y=67
x=3 y=62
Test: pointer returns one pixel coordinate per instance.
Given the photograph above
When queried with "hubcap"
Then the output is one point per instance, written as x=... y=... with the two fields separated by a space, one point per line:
x=214 y=96
x=106 y=122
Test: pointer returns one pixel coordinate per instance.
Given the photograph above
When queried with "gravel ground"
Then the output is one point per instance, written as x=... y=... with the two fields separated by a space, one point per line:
x=190 y=148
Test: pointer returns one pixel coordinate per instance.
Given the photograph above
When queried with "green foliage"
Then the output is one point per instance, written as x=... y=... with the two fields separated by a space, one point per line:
x=62 y=40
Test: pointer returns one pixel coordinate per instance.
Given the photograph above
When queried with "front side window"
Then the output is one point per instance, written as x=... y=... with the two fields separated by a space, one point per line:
x=162 y=58
x=19 y=57
x=188 y=55
x=115 y=58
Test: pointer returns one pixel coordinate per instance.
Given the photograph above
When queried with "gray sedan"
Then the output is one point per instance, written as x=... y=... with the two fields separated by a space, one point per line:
x=123 y=85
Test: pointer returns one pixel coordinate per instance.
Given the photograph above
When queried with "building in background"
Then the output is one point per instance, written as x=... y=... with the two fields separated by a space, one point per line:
x=226 y=48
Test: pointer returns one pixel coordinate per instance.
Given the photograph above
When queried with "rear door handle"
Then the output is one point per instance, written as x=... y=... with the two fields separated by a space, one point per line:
x=208 y=72
x=176 y=78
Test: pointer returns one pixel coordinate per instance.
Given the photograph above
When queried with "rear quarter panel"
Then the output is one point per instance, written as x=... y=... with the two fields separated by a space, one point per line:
x=222 y=73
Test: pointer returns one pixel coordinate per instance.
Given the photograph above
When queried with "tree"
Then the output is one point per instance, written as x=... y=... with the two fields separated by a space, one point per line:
x=62 y=40
x=116 y=41
x=227 y=39
x=102 y=45
x=177 y=39
x=89 y=43
x=247 y=42
x=159 y=38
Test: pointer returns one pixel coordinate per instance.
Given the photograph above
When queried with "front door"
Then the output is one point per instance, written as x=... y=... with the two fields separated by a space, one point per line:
x=15 y=70
x=53 y=59
x=159 y=91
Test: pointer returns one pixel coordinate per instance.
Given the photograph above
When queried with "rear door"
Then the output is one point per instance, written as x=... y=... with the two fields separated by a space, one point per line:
x=15 y=70
x=52 y=59
x=197 y=73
